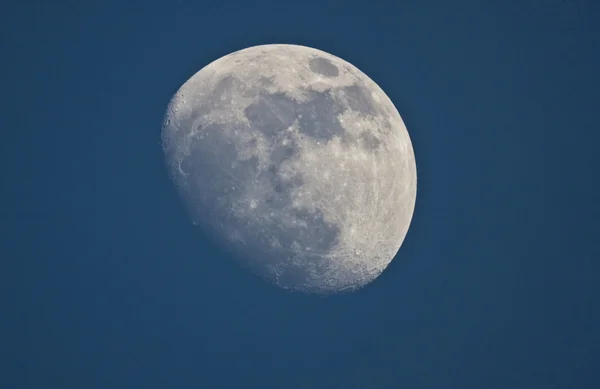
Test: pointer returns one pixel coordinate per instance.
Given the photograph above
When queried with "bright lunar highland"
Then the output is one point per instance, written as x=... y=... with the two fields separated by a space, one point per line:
x=296 y=162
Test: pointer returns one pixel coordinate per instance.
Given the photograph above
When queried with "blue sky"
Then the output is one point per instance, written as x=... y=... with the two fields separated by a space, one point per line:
x=106 y=283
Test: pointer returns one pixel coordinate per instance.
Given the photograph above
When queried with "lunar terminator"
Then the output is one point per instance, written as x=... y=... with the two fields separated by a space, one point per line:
x=297 y=162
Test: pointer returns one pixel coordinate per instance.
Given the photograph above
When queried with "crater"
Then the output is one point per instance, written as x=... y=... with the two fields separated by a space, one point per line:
x=323 y=66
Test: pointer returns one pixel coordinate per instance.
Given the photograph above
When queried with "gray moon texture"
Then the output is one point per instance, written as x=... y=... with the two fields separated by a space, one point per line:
x=296 y=162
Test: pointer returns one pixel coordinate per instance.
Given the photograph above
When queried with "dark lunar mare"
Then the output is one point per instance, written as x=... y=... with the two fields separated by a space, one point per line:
x=323 y=66
x=317 y=118
x=360 y=100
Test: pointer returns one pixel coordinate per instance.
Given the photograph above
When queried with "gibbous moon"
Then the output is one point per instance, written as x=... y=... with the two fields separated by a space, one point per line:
x=296 y=162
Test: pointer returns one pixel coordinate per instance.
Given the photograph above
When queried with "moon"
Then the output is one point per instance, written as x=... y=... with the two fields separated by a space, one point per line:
x=296 y=162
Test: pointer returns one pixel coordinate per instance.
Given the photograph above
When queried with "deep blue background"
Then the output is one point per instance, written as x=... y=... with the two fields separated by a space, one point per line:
x=106 y=283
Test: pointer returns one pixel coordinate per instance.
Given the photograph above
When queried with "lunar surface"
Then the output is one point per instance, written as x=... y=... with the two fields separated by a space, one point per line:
x=296 y=162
